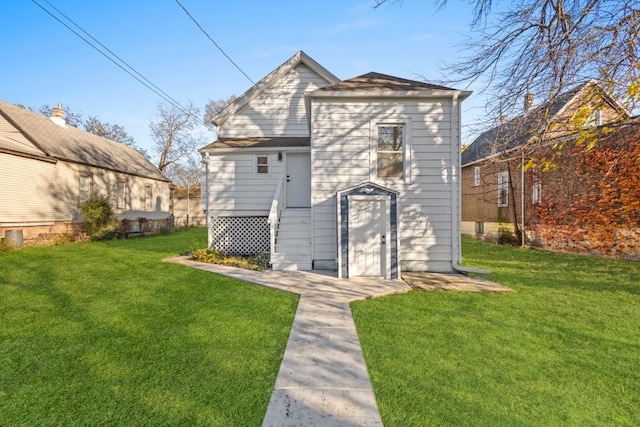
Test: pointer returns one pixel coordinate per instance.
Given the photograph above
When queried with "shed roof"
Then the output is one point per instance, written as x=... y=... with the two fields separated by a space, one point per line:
x=259 y=142
x=74 y=145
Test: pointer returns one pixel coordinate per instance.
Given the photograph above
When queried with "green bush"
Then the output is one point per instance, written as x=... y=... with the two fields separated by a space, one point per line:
x=98 y=217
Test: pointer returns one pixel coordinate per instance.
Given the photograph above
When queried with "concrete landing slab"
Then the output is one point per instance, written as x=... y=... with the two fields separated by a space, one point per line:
x=451 y=282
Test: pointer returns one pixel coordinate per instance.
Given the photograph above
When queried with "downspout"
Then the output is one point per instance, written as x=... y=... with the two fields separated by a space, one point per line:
x=206 y=203
x=456 y=205
x=523 y=235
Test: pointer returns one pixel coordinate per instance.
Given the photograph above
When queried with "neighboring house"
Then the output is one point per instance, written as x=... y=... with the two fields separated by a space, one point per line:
x=48 y=168
x=358 y=176
x=503 y=170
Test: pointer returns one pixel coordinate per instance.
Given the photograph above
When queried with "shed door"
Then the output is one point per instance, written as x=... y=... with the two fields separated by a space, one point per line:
x=368 y=231
x=298 y=183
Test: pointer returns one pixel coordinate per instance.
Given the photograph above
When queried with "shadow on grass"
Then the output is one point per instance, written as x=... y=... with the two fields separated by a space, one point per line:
x=516 y=267
x=107 y=334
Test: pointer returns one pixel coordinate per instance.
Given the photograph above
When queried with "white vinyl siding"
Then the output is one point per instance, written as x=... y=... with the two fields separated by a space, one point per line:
x=235 y=189
x=34 y=191
x=279 y=110
x=341 y=157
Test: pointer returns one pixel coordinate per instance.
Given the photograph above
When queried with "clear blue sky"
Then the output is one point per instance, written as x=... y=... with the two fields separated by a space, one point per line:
x=44 y=63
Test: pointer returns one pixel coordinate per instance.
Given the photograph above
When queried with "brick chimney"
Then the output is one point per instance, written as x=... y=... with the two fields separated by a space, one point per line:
x=57 y=115
x=528 y=101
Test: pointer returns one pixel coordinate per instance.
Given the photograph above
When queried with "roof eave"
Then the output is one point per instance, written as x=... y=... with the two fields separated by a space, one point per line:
x=462 y=95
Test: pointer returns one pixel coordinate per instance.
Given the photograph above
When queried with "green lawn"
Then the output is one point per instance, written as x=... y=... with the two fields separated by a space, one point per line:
x=563 y=349
x=106 y=334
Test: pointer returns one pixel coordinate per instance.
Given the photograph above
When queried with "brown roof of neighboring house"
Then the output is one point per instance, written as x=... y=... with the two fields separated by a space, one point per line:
x=259 y=142
x=521 y=129
x=71 y=144
x=378 y=82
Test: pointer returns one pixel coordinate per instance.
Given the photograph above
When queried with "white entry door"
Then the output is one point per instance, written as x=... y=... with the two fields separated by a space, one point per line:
x=298 y=179
x=368 y=232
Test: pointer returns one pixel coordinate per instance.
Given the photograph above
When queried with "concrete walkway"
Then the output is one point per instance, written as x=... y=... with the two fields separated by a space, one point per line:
x=323 y=379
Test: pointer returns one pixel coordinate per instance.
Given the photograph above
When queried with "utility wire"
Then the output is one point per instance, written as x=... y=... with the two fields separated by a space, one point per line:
x=138 y=76
x=213 y=41
x=174 y=102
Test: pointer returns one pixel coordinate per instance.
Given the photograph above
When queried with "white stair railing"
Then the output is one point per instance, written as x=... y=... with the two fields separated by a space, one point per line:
x=274 y=212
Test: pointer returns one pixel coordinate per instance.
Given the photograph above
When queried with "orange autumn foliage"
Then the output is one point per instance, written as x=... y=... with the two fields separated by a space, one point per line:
x=591 y=201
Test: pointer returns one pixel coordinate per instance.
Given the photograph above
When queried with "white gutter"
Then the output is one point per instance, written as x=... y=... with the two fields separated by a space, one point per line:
x=456 y=205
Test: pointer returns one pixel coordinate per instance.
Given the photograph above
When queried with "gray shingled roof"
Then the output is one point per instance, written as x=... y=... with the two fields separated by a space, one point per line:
x=519 y=130
x=378 y=82
x=259 y=142
x=74 y=145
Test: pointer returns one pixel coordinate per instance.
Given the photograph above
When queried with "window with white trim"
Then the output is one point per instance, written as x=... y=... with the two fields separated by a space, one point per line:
x=262 y=164
x=120 y=195
x=85 y=187
x=390 y=151
x=537 y=192
x=503 y=189
x=147 y=198
x=476 y=176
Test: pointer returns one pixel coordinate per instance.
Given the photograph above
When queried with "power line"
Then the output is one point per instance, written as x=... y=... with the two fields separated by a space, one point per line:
x=174 y=102
x=213 y=41
x=138 y=76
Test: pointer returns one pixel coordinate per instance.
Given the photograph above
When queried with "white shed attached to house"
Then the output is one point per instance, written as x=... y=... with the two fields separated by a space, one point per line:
x=357 y=176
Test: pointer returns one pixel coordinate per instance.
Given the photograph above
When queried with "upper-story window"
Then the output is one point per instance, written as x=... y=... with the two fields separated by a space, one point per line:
x=262 y=164
x=390 y=151
x=476 y=176
x=503 y=189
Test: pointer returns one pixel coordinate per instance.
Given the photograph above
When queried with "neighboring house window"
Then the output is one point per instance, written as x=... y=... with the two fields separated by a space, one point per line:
x=147 y=197
x=120 y=201
x=503 y=189
x=476 y=176
x=390 y=151
x=597 y=117
x=479 y=228
x=262 y=164
x=537 y=192
x=85 y=187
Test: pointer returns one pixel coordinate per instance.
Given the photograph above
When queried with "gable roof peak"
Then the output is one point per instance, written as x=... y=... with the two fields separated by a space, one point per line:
x=243 y=100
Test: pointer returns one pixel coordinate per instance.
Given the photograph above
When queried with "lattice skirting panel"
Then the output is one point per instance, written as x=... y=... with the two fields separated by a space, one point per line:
x=240 y=235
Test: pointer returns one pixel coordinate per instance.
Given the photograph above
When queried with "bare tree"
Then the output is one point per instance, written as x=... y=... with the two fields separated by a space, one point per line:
x=93 y=125
x=113 y=132
x=548 y=46
x=175 y=135
x=214 y=107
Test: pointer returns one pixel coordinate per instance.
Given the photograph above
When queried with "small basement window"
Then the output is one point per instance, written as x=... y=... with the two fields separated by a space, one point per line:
x=262 y=164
